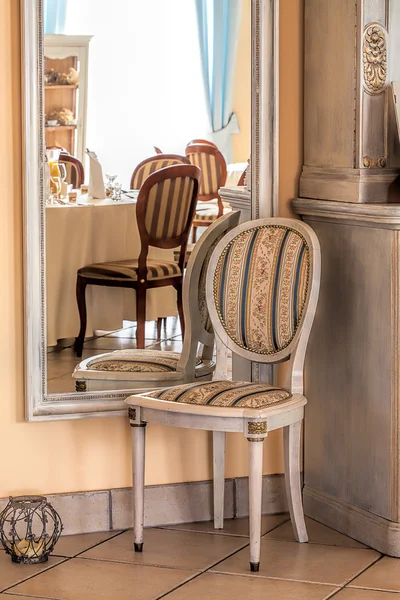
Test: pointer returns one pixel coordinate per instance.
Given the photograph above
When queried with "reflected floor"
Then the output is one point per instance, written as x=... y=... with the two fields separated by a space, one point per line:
x=62 y=360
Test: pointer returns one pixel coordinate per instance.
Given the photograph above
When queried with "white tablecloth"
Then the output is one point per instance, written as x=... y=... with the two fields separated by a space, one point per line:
x=233 y=173
x=77 y=235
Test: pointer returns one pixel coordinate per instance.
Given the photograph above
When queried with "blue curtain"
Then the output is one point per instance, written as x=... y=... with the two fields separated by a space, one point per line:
x=218 y=25
x=55 y=12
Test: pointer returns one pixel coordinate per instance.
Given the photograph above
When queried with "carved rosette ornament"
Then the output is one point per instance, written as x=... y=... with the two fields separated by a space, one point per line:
x=374 y=59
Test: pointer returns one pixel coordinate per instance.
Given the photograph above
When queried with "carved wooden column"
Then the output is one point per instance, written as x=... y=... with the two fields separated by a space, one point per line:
x=352 y=376
x=351 y=149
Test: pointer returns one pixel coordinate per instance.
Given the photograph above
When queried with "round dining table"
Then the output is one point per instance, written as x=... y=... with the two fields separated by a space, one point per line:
x=92 y=231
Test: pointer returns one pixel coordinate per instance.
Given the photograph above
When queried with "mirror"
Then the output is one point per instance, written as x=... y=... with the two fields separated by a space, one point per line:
x=127 y=91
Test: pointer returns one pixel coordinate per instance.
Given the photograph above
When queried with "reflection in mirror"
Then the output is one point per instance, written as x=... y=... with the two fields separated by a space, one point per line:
x=132 y=84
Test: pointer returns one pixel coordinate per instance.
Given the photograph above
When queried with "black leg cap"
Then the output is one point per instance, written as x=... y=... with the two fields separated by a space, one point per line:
x=254 y=567
x=138 y=547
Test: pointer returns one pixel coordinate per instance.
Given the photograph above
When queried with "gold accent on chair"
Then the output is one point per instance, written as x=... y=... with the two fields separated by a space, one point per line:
x=267 y=275
x=257 y=428
x=164 y=212
x=374 y=58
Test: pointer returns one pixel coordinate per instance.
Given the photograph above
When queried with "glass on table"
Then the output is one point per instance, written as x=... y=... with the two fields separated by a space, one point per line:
x=110 y=185
x=117 y=196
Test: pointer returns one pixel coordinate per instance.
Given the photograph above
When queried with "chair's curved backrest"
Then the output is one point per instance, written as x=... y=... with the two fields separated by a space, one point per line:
x=198 y=327
x=75 y=170
x=213 y=168
x=199 y=141
x=153 y=164
x=165 y=208
x=262 y=287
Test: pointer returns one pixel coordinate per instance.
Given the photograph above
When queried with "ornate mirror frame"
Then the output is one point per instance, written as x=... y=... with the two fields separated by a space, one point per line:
x=264 y=197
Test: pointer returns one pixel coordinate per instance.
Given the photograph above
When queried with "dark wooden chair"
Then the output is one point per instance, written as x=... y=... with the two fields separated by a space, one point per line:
x=165 y=208
x=199 y=141
x=152 y=164
x=213 y=176
x=75 y=171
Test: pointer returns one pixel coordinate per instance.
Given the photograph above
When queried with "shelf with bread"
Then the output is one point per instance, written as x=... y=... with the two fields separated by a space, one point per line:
x=65 y=92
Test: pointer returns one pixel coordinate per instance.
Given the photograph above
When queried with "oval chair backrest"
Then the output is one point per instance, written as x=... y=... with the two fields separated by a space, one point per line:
x=153 y=164
x=199 y=141
x=166 y=204
x=198 y=327
x=213 y=168
x=262 y=287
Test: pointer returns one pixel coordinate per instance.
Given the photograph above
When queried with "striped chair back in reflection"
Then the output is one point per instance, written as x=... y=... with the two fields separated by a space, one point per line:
x=261 y=285
x=166 y=205
x=213 y=169
x=153 y=164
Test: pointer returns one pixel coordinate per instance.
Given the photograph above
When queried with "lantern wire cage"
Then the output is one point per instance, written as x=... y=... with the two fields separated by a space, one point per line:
x=29 y=529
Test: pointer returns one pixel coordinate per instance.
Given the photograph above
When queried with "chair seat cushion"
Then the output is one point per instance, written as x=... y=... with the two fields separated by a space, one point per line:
x=209 y=215
x=137 y=361
x=223 y=393
x=127 y=269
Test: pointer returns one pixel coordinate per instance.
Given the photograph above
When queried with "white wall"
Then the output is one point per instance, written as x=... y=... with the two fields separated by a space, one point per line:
x=145 y=84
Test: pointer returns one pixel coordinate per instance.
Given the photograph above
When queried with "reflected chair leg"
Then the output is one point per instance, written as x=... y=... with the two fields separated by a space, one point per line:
x=81 y=301
x=138 y=465
x=219 y=477
x=140 y=316
x=159 y=326
x=255 y=501
x=180 y=309
x=194 y=234
x=291 y=448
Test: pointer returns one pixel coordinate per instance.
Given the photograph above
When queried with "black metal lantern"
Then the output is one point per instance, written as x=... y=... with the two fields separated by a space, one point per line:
x=29 y=529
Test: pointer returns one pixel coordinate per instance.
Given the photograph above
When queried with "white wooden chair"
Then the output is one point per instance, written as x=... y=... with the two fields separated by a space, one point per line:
x=149 y=369
x=262 y=291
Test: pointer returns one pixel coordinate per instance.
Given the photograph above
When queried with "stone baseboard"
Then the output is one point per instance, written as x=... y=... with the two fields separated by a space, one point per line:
x=365 y=527
x=105 y=510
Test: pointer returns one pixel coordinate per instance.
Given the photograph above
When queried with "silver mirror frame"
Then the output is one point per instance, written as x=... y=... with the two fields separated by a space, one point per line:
x=41 y=406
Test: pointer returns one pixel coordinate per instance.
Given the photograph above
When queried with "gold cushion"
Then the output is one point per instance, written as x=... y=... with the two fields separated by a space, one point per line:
x=127 y=269
x=223 y=393
x=137 y=361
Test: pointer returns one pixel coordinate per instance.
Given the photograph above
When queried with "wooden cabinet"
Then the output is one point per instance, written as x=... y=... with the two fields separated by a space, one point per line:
x=62 y=53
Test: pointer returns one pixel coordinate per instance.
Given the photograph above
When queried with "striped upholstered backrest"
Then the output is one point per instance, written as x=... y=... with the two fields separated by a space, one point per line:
x=261 y=285
x=152 y=164
x=166 y=204
x=213 y=168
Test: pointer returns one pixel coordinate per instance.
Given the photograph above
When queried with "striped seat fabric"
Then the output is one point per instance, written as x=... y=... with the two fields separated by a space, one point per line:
x=234 y=394
x=127 y=269
x=260 y=287
x=137 y=361
x=153 y=164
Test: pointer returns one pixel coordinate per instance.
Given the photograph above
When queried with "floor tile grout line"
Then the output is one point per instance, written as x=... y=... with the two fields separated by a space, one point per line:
x=135 y=564
x=363 y=570
x=30 y=596
x=112 y=536
x=252 y=576
x=66 y=559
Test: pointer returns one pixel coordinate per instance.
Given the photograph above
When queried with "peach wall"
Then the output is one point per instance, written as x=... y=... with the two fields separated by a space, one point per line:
x=241 y=105
x=90 y=454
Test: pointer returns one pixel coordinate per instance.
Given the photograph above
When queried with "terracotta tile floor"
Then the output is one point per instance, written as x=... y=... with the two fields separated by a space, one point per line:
x=192 y=561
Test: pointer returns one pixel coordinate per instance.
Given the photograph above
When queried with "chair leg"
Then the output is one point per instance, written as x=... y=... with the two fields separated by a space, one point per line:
x=255 y=501
x=138 y=464
x=291 y=442
x=140 y=316
x=159 y=326
x=219 y=478
x=180 y=309
x=194 y=234
x=81 y=301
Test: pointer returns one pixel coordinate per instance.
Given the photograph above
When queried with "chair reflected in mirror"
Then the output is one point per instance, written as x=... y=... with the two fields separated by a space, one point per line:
x=165 y=208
